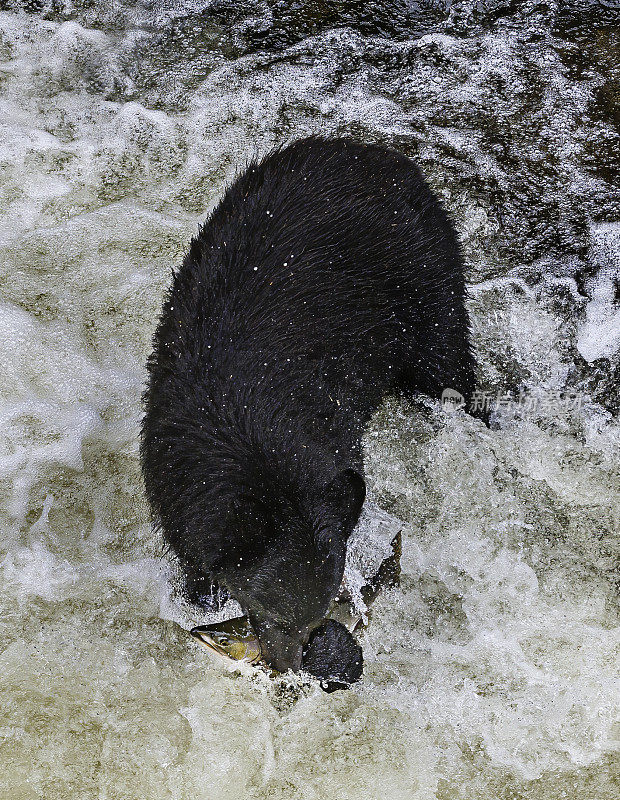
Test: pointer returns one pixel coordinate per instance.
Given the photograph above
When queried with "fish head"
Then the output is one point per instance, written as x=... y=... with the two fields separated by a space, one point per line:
x=234 y=638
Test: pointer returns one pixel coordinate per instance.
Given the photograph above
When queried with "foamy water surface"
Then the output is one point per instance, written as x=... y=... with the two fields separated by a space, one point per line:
x=491 y=672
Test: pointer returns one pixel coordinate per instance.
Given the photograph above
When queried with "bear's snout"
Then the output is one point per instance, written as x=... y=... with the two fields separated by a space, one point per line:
x=281 y=649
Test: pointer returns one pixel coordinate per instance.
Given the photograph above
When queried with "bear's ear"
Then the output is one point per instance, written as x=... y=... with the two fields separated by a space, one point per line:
x=344 y=495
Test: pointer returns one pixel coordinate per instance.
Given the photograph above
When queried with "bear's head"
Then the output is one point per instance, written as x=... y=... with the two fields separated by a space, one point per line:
x=289 y=566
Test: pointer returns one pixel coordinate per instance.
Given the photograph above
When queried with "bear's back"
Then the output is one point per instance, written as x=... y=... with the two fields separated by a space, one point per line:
x=326 y=248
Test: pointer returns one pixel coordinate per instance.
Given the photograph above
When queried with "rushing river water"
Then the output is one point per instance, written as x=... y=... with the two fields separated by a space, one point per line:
x=491 y=671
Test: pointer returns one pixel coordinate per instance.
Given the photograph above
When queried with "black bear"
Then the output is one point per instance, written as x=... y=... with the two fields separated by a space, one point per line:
x=327 y=276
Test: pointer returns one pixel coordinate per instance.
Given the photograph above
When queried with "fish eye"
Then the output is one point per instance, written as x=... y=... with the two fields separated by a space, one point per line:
x=224 y=641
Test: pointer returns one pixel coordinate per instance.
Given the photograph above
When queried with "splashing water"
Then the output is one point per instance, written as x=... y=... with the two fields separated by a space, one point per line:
x=491 y=670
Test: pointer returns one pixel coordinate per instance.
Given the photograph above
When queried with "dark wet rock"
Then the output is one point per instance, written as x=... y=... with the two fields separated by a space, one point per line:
x=333 y=656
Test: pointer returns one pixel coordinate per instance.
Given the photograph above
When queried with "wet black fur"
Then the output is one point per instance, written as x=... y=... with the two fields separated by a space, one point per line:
x=327 y=276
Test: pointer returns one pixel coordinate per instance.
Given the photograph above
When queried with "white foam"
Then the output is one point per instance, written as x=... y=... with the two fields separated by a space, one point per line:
x=599 y=335
x=490 y=671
